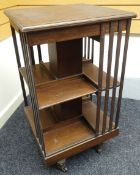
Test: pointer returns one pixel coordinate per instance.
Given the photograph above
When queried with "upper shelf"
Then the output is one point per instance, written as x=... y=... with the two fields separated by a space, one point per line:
x=62 y=90
x=40 y=72
x=56 y=16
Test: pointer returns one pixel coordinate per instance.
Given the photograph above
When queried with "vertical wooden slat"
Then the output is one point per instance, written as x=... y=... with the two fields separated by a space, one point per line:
x=92 y=51
x=110 y=50
x=123 y=71
x=19 y=65
x=29 y=82
x=39 y=53
x=88 y=48
x=119 y=36
x=85 y=47
x=32 y=55
x=33 y=90
x=35 y=96
x=27 y=57
x=102 y=38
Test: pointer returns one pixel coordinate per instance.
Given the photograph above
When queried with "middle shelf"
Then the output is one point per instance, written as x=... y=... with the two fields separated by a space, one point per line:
x=42 y=73
x=51 y=91
x=63 y=90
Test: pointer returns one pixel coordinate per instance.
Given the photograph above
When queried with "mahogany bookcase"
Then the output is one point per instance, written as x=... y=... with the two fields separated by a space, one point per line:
x=64 y=117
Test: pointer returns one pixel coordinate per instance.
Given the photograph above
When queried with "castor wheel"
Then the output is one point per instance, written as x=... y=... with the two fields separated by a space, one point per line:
x=62 y=165
x=98 y=148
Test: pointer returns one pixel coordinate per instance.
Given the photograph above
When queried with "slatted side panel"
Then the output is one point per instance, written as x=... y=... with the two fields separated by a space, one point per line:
x=28 y=59
x=106 y=99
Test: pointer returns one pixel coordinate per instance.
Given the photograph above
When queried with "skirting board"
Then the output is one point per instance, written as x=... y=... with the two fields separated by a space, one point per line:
x=10 y=108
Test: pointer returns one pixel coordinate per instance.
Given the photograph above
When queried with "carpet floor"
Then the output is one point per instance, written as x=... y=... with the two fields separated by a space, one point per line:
x=19 y=154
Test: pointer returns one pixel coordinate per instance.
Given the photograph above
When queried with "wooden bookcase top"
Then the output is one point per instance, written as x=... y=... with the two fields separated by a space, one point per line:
x=56 y=16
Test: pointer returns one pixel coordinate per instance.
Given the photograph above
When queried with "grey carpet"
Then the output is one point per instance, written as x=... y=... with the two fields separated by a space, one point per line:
x=120 y=156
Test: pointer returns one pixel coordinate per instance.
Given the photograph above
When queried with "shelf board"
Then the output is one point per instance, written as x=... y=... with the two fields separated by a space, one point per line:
x=89 y=112
x=63 y=90
x=68 y=135
x=41 y=18
x=74 y=131
x=61 y=135
x=40 y=73
x=48 y=119
x=91 y=71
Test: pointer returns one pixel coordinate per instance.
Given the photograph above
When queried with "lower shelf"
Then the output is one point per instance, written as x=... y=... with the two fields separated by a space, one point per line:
x=80 y=147
x=67 y=135
x=59 y=136
x=89 y=112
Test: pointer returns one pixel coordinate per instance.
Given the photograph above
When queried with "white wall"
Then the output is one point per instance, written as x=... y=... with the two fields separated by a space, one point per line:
x=10 y=90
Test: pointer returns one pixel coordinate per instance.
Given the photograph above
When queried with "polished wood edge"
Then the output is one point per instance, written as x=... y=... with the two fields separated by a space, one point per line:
x=61 y=34
x=14 y=25
x=52 y=159
x=72 y=23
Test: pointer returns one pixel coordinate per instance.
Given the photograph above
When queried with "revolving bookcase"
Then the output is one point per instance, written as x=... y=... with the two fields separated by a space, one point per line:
x=72 y=104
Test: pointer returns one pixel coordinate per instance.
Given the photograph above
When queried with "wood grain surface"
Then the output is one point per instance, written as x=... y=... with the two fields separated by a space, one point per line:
x=41 y=18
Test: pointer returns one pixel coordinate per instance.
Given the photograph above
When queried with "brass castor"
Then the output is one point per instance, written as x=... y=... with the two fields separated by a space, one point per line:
x=98 y=148
x=62 y=165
